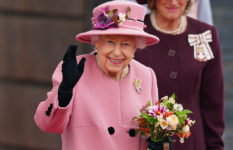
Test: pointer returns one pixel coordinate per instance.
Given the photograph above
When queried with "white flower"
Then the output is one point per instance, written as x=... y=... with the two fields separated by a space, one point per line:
x=185 y=129
x=165 y=97
x=171 y=100
x=163 y=124
x=178 y=107
x=122 y=18
x=181 y=140
x=191 y=122
x=172 y=121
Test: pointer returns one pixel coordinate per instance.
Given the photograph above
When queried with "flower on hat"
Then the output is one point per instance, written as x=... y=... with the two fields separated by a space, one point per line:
x=105 y=18
x=101 y=19
x=122 y=18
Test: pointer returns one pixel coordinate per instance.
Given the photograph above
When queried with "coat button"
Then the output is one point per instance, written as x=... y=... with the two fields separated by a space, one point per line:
x=173 y=75
x=47 y=113
x=171 y=53
x=111 y=130
x=49 y=110
x=132 y=133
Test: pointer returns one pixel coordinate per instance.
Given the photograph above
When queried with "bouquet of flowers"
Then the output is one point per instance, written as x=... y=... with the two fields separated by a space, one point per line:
x=164 y=119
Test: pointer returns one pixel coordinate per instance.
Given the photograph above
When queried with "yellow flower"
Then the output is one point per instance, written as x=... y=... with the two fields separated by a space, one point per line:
x=163 y=124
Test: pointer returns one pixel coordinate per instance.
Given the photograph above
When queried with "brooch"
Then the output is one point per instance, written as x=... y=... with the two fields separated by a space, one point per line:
x=200 y=42
x=137 y=84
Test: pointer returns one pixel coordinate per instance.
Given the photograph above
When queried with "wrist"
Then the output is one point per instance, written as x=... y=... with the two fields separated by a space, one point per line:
x=64 y=87
x=64 y=94
x=64 y=98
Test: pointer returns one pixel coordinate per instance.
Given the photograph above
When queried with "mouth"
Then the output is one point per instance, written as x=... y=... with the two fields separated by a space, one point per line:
x=115 y=61
x=172 y=9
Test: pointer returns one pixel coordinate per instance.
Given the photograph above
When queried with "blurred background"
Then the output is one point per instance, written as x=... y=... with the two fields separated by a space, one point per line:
x=34 y=34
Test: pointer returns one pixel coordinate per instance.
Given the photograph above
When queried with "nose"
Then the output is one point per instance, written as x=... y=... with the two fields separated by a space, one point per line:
x=173 y=2
x=117 y=50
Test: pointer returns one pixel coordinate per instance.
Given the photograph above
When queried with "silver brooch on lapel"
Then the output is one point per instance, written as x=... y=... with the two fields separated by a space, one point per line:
x=137 y=83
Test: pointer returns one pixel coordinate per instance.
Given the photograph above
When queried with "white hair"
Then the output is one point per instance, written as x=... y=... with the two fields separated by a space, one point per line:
x=139 y=41
x=94 y=38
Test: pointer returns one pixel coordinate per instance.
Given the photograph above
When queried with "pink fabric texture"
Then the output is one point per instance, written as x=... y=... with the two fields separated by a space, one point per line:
x=98 y=103
x=129 y=27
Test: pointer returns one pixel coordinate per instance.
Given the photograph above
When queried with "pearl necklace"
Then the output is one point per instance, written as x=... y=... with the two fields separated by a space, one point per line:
x=179 y=30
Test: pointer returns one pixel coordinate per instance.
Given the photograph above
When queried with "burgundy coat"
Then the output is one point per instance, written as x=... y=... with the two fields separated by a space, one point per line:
x=197 y=85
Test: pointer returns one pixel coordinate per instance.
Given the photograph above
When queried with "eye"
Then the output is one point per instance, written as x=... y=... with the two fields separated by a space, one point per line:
x=109 y=42
x=126 y=44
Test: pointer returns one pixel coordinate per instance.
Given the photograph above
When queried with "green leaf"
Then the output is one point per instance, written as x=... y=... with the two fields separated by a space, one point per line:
x=171 y=107
x=187 y=111
x=184 y=112
x=165 y=102
x=173 y=96
x=182 y=120
x=155 y=121
x=149 y=103
x=180 y=114
x=144 y=115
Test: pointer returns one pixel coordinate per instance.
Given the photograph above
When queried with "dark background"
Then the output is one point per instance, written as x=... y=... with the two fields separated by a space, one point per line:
x=34 y=35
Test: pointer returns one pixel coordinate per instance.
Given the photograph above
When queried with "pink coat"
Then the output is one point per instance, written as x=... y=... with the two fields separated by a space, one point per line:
x=99 y=116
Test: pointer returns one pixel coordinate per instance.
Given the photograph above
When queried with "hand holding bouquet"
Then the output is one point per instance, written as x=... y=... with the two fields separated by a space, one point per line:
x=164 y=119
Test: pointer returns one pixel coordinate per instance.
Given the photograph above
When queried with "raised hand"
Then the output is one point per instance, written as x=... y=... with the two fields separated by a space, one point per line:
x=71 y=72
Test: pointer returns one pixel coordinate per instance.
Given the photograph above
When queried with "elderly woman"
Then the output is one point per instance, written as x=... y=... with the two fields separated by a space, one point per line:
x=187 y=61
x=92 y=102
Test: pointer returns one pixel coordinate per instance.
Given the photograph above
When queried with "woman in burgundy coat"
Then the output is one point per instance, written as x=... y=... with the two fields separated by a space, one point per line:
x=187 y=61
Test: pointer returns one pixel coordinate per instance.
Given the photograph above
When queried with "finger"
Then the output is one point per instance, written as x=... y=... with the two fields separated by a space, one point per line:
x=82 y=63
x=71 y=51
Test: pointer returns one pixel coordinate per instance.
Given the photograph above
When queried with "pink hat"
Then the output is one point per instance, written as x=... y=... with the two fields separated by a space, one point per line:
x=118 y=18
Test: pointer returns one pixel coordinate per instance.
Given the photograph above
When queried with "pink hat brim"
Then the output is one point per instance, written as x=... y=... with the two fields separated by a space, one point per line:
x=86 y=36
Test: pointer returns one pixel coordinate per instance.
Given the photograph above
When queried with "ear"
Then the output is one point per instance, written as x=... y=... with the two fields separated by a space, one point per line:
x=96 y=45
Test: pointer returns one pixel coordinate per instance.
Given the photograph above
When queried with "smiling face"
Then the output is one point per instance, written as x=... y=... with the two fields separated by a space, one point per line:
x=115 y=53
x=170 y=9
